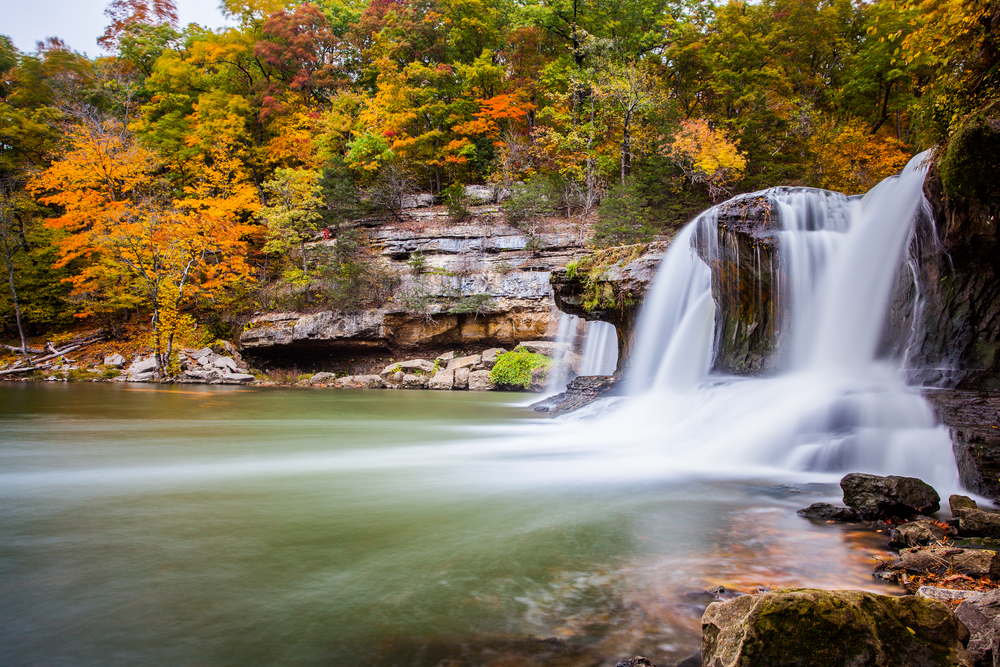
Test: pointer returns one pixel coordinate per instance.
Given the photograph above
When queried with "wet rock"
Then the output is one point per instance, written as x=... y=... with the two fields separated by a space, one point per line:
x=690 y=661
x=957 y=503
x=581 y=391
x=942 y=559
x=443 y=379
x=480 y=381
x=637 y=661
x=114 y=360
x=979 y=523
x=464 y=362
x=980 y=612
x=915 y=534
x=462 y=378
x=828 y=512
x=876 y=498
x=831 y=628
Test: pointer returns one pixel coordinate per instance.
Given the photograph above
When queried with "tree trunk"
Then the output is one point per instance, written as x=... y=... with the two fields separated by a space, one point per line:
x=626 y=151
x=8 y=252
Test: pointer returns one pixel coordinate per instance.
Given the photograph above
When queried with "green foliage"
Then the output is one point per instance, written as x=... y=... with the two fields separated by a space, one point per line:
x=623 y=217
x=538 y=196
x=514 y=368
x=454 y=199
x=477 y=304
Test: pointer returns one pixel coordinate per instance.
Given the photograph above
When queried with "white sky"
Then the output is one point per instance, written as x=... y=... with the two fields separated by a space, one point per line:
x=81 y=22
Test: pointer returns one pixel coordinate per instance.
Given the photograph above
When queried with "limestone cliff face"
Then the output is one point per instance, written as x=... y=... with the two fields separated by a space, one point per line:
x=477 y=284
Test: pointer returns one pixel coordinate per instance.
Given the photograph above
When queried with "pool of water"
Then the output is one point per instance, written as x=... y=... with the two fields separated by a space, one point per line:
x=253 y=526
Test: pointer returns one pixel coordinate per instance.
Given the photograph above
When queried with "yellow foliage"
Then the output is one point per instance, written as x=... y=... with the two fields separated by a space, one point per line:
x=706 y=156
x=849 y=159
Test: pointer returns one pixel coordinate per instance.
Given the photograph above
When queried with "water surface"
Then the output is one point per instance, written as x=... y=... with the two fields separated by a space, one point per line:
x=239 y=526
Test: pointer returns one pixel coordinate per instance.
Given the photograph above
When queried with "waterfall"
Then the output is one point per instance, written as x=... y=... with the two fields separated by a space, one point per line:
x=833 y=407
x=600 y=349
x=566 y=334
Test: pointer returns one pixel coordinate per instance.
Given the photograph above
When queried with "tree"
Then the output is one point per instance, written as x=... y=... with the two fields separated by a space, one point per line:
x=706 y=156
x=10 y=238
x=143 y=247
x=292 y=215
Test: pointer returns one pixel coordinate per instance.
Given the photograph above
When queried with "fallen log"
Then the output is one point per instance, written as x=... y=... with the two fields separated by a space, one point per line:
x=29 y=350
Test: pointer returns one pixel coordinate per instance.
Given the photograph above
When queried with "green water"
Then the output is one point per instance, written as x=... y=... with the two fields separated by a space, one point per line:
x=237 y=526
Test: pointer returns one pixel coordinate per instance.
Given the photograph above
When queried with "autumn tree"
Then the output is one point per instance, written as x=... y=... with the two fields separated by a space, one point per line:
x=706 y=156
x=292 y=213
x=143 y=247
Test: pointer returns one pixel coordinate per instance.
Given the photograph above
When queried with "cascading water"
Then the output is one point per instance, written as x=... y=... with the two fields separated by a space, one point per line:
x=834 y=407
x=600 y=349
x=566 y=334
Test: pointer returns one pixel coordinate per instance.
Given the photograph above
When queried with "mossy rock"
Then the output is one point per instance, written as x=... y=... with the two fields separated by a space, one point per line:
x=816 y=628
x=971 y=161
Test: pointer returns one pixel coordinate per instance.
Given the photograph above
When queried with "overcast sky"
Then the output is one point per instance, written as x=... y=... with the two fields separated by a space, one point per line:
x=81 y=22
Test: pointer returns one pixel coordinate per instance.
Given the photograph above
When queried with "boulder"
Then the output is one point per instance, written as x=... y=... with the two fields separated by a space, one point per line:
x=443 y=379
x=539 y=377
x=915 y=534
x=115 y=360
x=141 y=366
x=323 y=378
x=876 y=498
x=957 y=502
x=447 y=356
x=141 y=377
x=479 y=195
x=236 y=378
x=980 y=612
x=199 y=377
x=828 y=512
x=480 y=381
x=546 y=347
x=397 y=377
x=943 y=594
x=360 y=382
x=464 y=362
x=226 y=362
x=978 y=522
x=942 y=559
x=420 y=200
x=202 y=353
x=462 y=378
x=411 y=381
x=421 y=365
x=800 y=627
x=489 y=357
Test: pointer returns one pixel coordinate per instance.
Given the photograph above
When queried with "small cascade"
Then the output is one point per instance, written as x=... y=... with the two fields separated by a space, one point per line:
x=566 y=336
x=600 y=349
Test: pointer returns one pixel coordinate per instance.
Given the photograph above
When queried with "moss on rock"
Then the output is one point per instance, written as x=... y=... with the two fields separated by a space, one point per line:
x=816 y=628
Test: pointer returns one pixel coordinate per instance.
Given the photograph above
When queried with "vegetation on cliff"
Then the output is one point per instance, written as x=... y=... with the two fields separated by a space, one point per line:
x=193 y=175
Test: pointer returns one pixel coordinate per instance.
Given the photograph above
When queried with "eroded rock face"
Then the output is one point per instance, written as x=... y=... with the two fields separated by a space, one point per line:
x=874 y=497
x=813 y=627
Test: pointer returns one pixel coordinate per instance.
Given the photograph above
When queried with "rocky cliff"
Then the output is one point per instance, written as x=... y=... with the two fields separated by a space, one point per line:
x=470 y=285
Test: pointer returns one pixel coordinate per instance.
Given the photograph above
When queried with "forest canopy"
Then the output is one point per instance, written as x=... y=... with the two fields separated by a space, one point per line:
x=183 y=175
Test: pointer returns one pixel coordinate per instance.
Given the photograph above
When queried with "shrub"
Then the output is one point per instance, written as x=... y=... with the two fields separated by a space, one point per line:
x=514 y=368
x=454 y=199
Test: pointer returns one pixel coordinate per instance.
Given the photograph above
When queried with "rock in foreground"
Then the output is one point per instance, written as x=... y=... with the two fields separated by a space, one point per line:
x=876 y=498
x=800 y=627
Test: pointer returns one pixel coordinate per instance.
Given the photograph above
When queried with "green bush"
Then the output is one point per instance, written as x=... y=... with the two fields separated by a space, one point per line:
x=514 y=368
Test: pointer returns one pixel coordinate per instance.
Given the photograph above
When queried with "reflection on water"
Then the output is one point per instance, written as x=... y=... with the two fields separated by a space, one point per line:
x=233 y=526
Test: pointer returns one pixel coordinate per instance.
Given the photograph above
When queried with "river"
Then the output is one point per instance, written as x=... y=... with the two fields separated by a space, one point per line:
x=254 y=526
